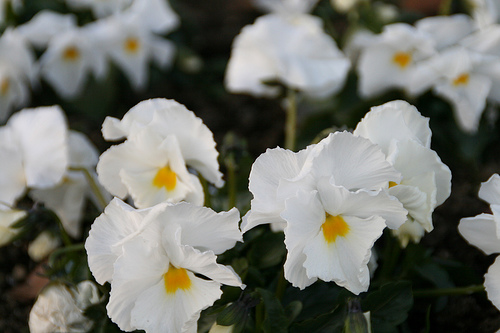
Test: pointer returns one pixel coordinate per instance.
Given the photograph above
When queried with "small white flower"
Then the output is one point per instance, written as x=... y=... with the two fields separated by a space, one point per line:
x=156 y=15
x=170 y=118
x=404 y=136
x=454 y=75
x=131 y=45
x=330 y=232
x=60 y=308
x=391 y=60
x=149 y=169
x=34 y=151
x=294 y=51
x=69 y=58
x=151 y=256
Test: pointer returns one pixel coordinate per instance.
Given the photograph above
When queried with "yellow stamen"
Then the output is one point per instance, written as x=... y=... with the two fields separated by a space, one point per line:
x=392 y=184
x=175 y=279
x=165 y=177
x=4 y=86
x=462 y=79
x=334 y=226
x=71 y=53
x=131 y=45
x=402 y=59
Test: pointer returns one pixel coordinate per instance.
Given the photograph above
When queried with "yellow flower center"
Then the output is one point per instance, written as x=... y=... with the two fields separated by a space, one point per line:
x=462 y=79
x=175 y=279
x=4 y=86
x=402 y=59
x=334 y=226
x=165 y=177
x=71 y=53
x=392 y=184
x=131 y=45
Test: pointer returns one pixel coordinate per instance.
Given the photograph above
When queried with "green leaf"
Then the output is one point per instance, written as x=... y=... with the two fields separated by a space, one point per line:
x=275 y=319
x=268 y=250
x=389 y=305
x=331 y=322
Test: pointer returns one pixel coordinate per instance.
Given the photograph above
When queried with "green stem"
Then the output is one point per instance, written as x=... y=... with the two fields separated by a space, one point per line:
x=449 y=291
x=204 y=184
x=259 y=317
x=59 y=252
x=391 y=255
x=291 y=120
x=445 y=7
x=231 y=181
x=94 y=187
x=280 y=288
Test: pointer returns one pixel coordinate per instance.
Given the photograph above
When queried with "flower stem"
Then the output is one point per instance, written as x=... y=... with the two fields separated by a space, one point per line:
x=291 y=119
x=231 y=180
x=449 y=291
x=204 y=184
x=94 y=187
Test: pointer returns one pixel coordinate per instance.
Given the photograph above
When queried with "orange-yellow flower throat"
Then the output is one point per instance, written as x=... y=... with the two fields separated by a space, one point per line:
x=175 y=279
x=333 y=227
x=165 y=177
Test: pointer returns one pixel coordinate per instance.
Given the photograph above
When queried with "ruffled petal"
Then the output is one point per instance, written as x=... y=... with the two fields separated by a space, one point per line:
x=480 y=231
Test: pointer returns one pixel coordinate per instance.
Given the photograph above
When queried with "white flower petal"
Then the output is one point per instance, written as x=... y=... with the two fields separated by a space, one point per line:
x=490 y=190
x=337 y=200
x=492 y=283
x=42 y=134
x=343 y=260
x=480 y=231
x=118 y=222
x=396 y=120
x=353 y=162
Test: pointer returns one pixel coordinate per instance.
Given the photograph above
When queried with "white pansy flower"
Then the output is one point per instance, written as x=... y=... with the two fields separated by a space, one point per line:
x=60 y=308
x=150 y=169
x=34 y=149
x=455 y=76
x=294 y=51
x=392 y=59
x=404 y=136
x=45 y=25
x=100 y=8
x=278 y=174
x=70 y=57
x=170 y=118
x=8 y=217
x=151 y=257
x=68 y=198
x=330 y=232
x=131 y=45
x=485 y=12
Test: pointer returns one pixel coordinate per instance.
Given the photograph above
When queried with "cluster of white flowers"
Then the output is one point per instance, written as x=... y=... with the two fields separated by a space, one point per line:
x=483 y=231
x=334 y=199
x=126 y=32
x=454 y=56
x=154 y=256
x=287 y=46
